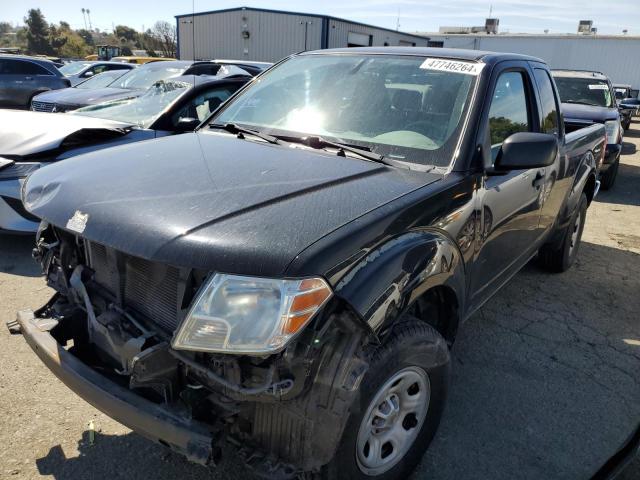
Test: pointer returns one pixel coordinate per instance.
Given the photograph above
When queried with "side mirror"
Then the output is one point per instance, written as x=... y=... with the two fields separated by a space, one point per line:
x=525 y=150
x=187 y=124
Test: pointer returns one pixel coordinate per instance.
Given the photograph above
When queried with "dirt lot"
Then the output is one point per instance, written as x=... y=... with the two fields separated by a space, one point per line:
x=545 y=378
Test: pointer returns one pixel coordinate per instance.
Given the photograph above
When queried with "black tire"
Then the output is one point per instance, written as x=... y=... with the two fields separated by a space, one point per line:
x=411 y=344
x=560 y=259
x=608 y=178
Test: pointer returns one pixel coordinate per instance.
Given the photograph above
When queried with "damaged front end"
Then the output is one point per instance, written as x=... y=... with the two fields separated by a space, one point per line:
x=108 y=334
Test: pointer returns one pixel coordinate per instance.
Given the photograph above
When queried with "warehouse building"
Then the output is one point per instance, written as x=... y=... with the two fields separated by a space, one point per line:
x=614 y=55
x=269 y=35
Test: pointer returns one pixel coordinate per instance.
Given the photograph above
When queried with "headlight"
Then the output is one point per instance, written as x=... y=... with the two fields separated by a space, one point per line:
x=613 y=131
x=249 y=315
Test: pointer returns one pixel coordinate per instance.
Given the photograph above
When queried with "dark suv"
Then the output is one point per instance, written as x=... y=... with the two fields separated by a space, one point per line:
x=587 y=98
x=21 y=78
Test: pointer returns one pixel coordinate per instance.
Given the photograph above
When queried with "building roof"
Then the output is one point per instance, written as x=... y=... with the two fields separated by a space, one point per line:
x=285 y=12
x=564 y=36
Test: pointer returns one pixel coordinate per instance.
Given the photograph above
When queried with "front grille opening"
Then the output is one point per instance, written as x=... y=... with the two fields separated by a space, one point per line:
x=149 y=288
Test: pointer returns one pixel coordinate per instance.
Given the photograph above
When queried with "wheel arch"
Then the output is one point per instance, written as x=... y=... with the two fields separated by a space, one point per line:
x=404 y=275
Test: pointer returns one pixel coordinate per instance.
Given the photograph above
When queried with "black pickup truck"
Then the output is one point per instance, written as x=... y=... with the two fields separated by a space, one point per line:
x=290 y=278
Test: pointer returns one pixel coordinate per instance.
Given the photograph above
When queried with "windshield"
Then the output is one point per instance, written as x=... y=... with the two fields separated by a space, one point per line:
x=145 y=76
x=73 y=68
x=141 y=111
x=101 y=80
x=586 y=91
x=405 y=108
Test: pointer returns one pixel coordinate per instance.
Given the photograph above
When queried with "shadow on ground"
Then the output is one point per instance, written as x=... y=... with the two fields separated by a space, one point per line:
x=131 y=456
x=625 y=190
x=15 y=255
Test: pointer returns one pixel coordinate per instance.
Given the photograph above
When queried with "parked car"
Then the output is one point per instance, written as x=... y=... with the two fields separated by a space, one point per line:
x=622 y=92
x=130 y=85
x=64 y=98
x=631 y=104
x=588 y=98
x=79 y=71
x=290 y=277
x=21 y=78
x=33 y=140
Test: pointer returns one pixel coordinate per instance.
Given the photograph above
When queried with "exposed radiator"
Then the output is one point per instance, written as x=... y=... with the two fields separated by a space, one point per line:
x=148 y=288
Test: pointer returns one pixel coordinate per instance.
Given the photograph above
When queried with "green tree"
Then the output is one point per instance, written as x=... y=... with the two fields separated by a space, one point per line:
x=74 y=46
x=5 y=27
x=87 y=36
x=37 y=33
x=128 y=33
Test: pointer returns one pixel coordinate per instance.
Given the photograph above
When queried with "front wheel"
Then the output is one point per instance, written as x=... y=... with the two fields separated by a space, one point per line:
x=401 y=401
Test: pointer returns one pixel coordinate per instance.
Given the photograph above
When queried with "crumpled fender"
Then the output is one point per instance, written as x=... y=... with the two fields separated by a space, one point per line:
x=394 y=274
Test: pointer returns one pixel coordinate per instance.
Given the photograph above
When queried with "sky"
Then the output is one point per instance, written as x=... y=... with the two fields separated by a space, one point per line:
x=516 y=16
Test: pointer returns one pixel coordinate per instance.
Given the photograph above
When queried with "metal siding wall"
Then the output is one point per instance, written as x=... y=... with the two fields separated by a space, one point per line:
x=339 y=32
x=611 y=56
x=272 y=35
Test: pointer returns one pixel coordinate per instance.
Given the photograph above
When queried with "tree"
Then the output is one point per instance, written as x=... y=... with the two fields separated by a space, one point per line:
x=74 y=46
x=86 y=35
x=128 y=33
x=5 y=27
x=37 y=33
x=165 y=33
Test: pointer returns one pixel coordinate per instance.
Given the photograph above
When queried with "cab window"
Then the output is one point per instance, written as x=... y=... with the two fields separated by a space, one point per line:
x=509 y=112
x=549 y=122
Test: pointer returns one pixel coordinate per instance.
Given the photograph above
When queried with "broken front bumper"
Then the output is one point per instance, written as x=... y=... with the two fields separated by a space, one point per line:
x=150 y=420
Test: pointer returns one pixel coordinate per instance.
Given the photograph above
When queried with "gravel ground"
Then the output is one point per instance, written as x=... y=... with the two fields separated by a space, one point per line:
x=545 y=381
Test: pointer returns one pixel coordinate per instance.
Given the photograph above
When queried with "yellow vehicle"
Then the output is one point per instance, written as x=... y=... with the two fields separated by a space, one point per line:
x=140 y=60
x=91 y=58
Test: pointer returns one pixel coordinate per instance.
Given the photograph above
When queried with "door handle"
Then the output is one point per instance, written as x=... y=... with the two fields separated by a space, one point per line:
x=539 y=180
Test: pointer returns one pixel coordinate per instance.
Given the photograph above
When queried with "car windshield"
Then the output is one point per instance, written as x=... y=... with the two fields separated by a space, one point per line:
x=101 y=80
x=141 y=111
x=585 y=91
x=406 y=108
x=146 y=75
x=73 y=68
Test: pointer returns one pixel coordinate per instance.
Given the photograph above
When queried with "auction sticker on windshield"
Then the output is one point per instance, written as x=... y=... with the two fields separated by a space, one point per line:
x=598 y=86
x=454 y=66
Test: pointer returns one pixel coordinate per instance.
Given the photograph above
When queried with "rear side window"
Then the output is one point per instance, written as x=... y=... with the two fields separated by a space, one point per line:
x=509 y=112
x=19 y=67
x=549 y=121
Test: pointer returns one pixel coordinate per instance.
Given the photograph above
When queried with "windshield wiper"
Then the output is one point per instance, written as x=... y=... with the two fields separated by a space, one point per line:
x=237 y=129
x=319 y=142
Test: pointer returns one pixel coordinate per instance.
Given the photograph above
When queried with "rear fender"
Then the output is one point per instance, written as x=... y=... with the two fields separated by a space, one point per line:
x=393 y=275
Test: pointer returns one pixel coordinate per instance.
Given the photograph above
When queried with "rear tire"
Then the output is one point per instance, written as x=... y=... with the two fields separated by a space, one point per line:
x=560 y=259
x=608 y=178
x=399 y=407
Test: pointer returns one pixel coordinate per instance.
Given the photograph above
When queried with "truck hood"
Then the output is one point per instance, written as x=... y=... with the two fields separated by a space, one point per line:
x=213 y=201
x=26 y=133
x=588 y=113
x=84 y=97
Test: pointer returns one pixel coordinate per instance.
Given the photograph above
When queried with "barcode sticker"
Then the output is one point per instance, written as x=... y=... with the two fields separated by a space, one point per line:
x=598 y=86
x=454 y=66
